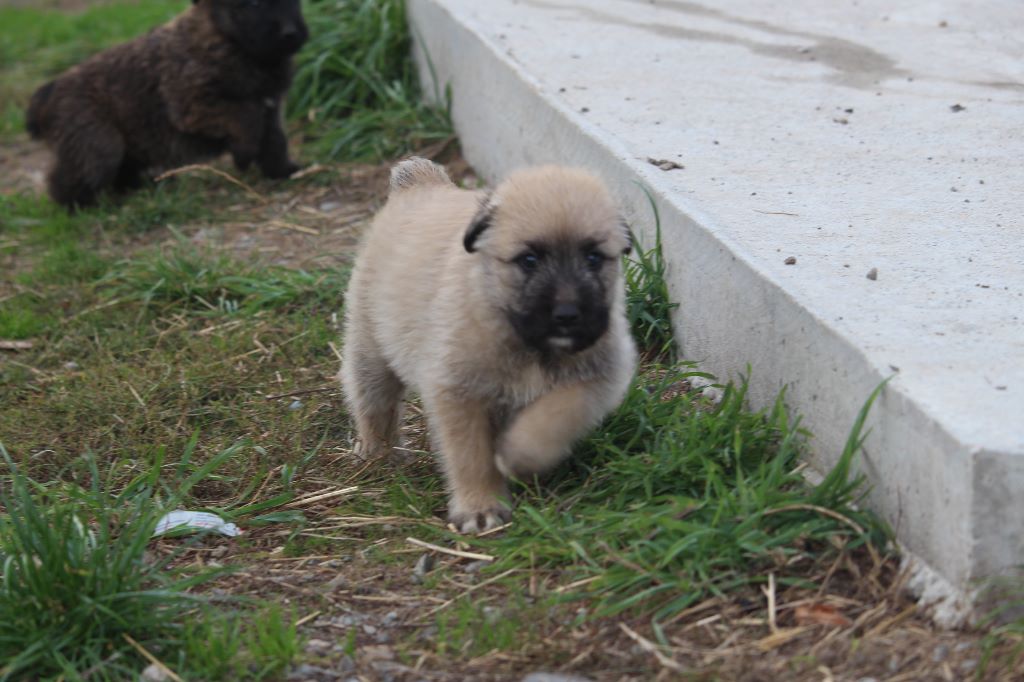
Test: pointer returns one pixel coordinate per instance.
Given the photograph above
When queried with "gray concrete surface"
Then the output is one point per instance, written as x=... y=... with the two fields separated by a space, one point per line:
x=852 y=136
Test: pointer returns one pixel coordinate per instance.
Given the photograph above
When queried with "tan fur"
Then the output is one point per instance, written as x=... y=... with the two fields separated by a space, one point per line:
x=423 y=313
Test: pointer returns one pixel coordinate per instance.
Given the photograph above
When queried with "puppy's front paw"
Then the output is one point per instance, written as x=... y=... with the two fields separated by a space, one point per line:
x=281 y=171
x=521 y=455
x=477 y=521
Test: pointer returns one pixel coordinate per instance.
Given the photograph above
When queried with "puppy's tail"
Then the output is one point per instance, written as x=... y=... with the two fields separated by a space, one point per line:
x=416 y=171
x=35 y=117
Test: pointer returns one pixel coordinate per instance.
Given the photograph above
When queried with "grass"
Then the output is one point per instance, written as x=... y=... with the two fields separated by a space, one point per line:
x=675 y=499
x=80 y=593
x=649 y=305
x=1003 y=646
x=76 y=581
x=356 y=85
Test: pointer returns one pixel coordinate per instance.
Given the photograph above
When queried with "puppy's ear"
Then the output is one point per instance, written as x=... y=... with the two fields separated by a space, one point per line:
x=480 y=222
x=629 y=236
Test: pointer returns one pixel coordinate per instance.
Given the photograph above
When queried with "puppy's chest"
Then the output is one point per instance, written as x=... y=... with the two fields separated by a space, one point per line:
x=520 y=386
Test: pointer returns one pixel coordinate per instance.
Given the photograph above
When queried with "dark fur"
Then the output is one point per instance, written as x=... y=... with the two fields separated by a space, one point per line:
x=564 y=296
x=563 y=289
x=212 y=80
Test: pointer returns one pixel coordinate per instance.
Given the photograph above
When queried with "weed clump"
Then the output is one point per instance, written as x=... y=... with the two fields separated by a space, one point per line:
x=355 y=83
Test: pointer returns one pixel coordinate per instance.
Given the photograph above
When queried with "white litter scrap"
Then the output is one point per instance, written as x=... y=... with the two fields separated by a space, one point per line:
x=194 y=520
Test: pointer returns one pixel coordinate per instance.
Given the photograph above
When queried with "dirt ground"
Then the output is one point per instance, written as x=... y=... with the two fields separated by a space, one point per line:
x=860 y=625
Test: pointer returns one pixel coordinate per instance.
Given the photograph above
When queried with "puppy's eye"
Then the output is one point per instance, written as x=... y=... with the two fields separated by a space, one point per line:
x=595 y=259
x=527 y=261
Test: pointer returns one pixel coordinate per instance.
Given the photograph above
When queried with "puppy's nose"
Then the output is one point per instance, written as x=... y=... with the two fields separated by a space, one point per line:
x=289 y=30
x=566 y=313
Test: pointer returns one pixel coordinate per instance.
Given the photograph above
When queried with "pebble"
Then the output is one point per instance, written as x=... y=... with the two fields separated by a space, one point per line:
x=306 y=671
x=791 y=260
x=940 y=653
x=872 y=274
x=424 y=565
x=373 y=652
x=337 y=582
x=71 y=365
x=389 y=618
x=154 y=673
x=295 y=405
x=554 y=677
x=475 y=566
x=329 y=206
x=318 y=646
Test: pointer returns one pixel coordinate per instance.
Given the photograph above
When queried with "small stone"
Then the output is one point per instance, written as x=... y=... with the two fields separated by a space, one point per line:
x=424 y=565
x=155 y=673
x=329 y=206
x=376 y=652
x=219 y=552
x=337 y=582
x=71 y=365
x=313 y=672
x=790 y=261
x=390 y=618
x=554 y=677
x=475 y=566
x=872 y=274
x=318 y=646
x=940 y=653
x=369 y=629
x=957 y=108
x=665 y=164
x=492 y=614
x=968 y=665
x=295 y=405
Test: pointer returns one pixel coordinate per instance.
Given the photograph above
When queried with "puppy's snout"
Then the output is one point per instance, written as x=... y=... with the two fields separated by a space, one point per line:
x=289 y=30
x=566 y=313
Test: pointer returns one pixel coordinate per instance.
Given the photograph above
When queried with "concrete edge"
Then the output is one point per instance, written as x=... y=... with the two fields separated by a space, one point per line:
x=921 y=474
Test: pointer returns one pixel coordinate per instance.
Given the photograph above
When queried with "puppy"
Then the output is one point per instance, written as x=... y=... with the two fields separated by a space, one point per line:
x=211 y=80
x=505 y=312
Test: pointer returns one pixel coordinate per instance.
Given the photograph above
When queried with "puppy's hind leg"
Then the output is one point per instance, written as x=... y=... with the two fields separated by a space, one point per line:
x=87 y=162
x=374 y=397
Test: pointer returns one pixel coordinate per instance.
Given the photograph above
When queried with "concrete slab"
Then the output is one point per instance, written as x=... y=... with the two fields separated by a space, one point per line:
x=857 y=138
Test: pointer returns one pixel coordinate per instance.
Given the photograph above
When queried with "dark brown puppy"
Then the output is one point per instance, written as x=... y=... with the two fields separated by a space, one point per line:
x=211 y=80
